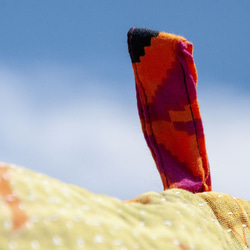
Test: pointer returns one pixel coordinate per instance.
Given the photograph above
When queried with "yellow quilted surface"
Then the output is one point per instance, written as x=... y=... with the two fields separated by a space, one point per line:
x=54 y=215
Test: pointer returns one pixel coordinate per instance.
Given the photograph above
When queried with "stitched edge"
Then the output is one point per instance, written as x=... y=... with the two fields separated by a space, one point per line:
x=148 y=115
x=195 y=127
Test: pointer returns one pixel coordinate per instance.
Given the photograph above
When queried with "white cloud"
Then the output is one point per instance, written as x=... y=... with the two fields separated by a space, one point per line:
x=226 y=119
x=97 y=142
x=92 y=142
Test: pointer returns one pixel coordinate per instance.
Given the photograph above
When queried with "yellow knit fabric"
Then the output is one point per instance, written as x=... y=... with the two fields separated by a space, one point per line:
x=66 y=217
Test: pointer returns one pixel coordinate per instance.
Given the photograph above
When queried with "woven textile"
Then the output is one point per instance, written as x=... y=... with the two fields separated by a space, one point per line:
x=166 y=77
x=233 y=215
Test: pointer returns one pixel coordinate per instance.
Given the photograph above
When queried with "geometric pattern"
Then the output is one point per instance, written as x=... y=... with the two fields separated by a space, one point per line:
x=141 y=39
x=166 y=79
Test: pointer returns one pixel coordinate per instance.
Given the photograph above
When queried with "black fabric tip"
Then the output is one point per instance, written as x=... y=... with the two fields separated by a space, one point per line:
x=137 y=40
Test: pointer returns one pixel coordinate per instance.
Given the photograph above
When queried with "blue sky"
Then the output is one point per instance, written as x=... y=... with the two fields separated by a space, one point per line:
x=68 y=105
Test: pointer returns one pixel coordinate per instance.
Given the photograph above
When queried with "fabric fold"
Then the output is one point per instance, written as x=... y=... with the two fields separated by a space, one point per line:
x=166 y=79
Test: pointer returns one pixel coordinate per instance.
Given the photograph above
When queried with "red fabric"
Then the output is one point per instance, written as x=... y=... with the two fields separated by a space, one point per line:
x=166 y=79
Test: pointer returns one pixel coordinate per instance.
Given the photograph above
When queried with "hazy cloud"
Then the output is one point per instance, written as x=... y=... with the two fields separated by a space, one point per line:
x=97 y=143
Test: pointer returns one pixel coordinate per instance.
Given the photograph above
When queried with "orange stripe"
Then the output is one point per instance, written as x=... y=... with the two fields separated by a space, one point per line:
x=19 y=217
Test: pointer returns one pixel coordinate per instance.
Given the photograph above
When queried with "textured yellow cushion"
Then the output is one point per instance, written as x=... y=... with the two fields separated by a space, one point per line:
x=61 y=216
